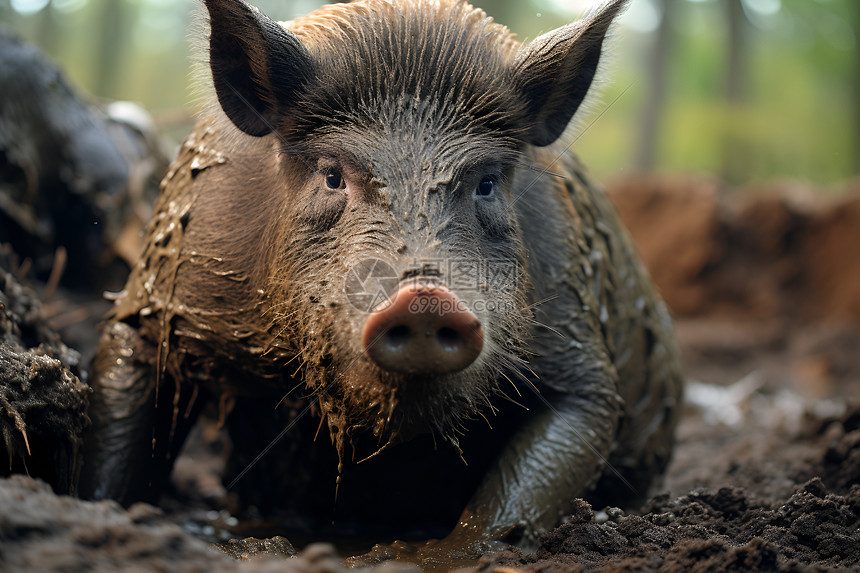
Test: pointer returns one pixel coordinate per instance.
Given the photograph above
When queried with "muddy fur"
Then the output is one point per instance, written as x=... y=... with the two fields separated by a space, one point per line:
x=418 y=134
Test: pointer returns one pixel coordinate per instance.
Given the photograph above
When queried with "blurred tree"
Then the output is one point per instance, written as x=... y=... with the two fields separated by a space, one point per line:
x=7 y=14
x=855 y=24
x=790 y=70
x=48 y=31
x=116 y=22
x=735 y=78
x=735 y=155
x=655 y=98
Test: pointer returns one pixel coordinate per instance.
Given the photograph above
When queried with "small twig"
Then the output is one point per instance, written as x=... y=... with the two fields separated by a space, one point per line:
x=60 y=257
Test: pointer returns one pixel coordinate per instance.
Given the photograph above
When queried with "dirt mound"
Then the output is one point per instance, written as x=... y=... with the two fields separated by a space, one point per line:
x=775 y=250
x=76 y=179
x=54 y=533
x=42 y=401
x=721 y=528
x=816 y=526
x=41 y=531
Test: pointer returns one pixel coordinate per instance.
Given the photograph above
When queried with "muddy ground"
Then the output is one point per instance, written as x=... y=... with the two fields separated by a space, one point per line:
x=765 y=285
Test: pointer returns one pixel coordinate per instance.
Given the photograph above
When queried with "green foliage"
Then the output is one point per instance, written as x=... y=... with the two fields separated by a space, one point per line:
x=799 y=115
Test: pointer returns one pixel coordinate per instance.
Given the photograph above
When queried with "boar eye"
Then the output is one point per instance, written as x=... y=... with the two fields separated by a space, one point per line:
x=333 y=179
x=486 y=187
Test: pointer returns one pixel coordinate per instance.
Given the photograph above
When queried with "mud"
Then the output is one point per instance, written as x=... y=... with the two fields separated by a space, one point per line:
x=780 y=249
x=718 y=527
x=765 y=476
x=725 y=527
x=42 y=401
x=46 y=532
x=76 y=179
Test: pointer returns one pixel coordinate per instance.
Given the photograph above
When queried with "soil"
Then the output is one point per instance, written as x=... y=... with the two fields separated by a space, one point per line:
x=766 y=473
x=43 y=403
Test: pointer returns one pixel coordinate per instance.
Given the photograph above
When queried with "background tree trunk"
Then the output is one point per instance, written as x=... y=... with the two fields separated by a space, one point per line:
x=855 y=25
x=736 y=154
x=48 y=30
x=735 y=78
x=652 y=110
x=114 y=36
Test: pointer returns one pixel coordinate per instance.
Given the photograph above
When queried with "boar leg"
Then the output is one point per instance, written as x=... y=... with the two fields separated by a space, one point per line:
x=557 y=456
x=130 y=447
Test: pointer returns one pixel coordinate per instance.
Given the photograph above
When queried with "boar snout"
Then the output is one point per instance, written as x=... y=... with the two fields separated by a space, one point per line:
x=424 y=329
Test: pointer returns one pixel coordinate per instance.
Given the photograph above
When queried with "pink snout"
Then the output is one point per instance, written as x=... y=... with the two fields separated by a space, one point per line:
x=426 y=329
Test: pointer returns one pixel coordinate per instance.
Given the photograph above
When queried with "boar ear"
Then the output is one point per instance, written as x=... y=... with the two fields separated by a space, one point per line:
x=257 y=65
x=555 y=70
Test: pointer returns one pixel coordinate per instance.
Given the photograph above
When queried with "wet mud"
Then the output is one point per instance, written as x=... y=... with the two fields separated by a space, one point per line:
x=42 y=399
x=765 y=475
x=718 y=528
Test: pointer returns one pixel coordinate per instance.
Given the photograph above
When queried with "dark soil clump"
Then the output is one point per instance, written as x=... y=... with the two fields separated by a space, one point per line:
x=706 y=530
x=42 y=401
x=728 y=528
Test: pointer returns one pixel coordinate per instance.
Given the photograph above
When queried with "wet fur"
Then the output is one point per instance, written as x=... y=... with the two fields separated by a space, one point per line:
x=241 y=283
x=458 y=114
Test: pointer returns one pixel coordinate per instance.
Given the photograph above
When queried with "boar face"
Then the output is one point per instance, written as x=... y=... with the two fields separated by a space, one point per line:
x=399 y=127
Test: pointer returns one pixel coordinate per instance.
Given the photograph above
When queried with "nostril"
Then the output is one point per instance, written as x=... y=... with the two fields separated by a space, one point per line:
x=449 y=339
x=397 y=337
x=428 y=340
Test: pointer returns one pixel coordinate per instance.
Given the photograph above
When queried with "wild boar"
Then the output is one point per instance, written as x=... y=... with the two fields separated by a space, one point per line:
x=379 y=223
